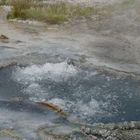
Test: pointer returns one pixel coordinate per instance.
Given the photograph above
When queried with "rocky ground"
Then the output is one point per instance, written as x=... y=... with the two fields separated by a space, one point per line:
x=108 y=40
x=120 y=131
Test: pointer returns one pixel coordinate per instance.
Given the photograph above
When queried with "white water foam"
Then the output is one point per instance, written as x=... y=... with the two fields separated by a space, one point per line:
x=55 y=72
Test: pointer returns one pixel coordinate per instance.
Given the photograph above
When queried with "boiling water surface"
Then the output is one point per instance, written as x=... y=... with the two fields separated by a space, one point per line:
x=87 y=96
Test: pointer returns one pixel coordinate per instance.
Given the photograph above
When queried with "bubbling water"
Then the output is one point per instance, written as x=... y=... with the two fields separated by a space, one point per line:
x=51 y=71
x=89 y=96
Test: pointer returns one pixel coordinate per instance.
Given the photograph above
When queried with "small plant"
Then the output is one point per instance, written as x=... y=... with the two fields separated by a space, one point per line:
x=19 y=7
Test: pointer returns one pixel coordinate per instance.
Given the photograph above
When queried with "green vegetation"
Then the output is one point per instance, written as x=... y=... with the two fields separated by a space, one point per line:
x=19 y=8
x=50 y=13
x=2 y=2
x=5 y=2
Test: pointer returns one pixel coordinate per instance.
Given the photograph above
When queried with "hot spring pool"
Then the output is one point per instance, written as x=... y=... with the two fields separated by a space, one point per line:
x=87 y=96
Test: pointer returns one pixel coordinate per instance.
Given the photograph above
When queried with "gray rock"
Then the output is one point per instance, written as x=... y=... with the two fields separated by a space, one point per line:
x=119 y=131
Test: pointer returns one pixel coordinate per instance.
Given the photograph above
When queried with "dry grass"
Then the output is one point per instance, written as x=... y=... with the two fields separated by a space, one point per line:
x=50 y=13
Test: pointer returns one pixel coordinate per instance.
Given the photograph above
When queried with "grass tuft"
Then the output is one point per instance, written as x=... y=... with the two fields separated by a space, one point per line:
x=50 y=13
x=19 y=8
